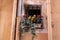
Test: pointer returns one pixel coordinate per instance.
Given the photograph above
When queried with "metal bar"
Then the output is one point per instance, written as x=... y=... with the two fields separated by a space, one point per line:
x=20 y=2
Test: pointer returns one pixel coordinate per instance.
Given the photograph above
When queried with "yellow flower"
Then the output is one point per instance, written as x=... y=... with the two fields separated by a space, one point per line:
x=29 y=17
x=33 y=17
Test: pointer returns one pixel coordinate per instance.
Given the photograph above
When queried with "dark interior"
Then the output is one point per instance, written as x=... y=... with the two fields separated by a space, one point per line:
x=31 y=10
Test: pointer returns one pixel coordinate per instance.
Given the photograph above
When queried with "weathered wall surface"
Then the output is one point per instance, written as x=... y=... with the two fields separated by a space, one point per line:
x=6 y=9
x=56 y=19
